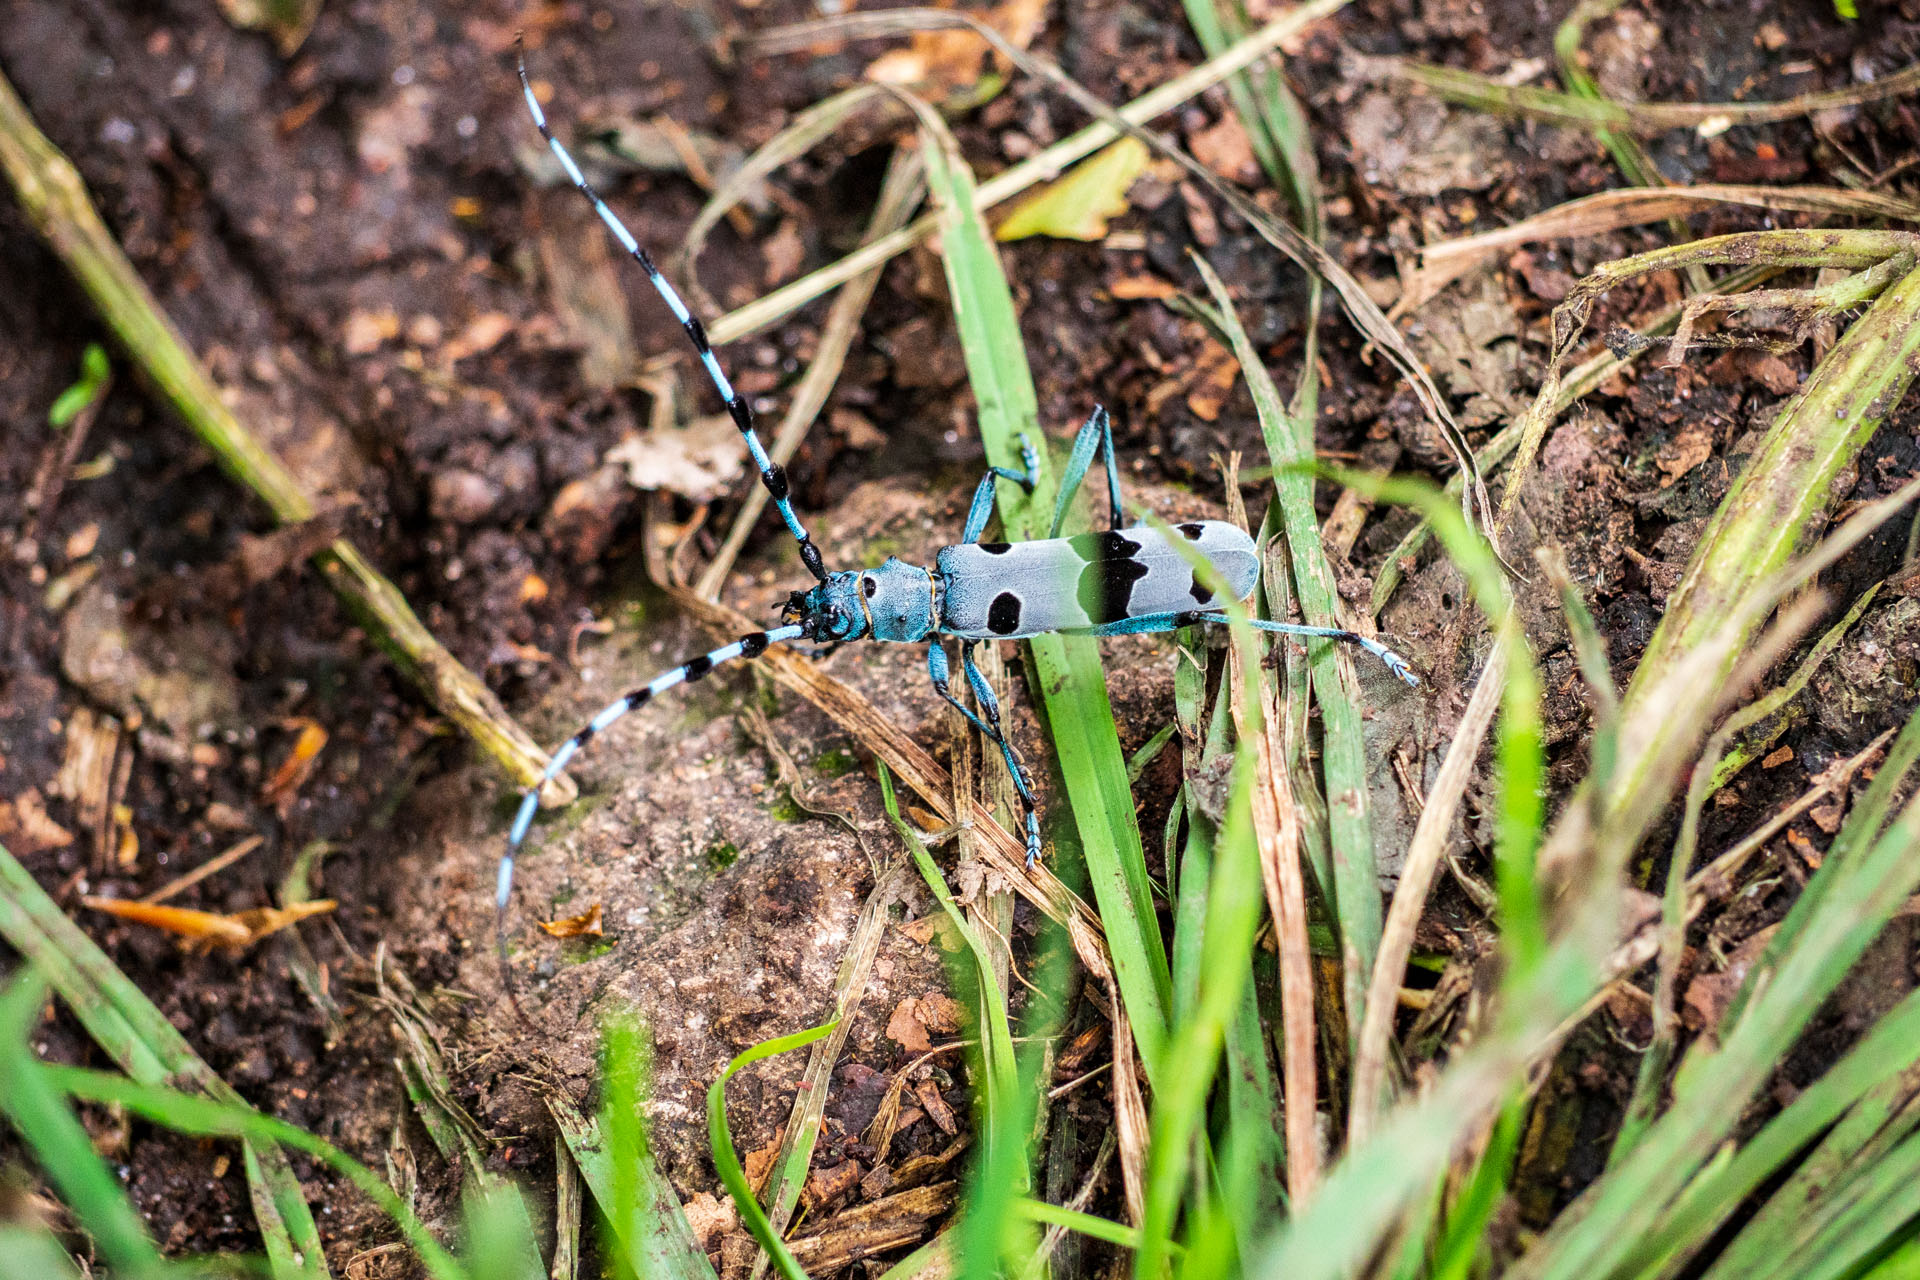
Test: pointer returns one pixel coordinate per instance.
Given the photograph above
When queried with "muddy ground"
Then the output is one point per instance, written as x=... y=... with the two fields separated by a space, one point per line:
x=362 y=242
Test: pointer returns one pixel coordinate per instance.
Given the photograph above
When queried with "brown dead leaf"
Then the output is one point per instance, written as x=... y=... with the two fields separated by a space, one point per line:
x=482 y=334
x=940 y=62
x=1225 y=148
x=1709 y=994
x=937 y=1109
x=365 y=331
x=700 y=461
x=940 y=1013
x=923 y=929
x=710 y=1217
x=1687 y=450
x=25 y=826
x=827 y=1185
x=584 y=925
x=759 y=1164
x=905 y=1028
x=1212 y=383
x=202 y=929
x=1136 y=288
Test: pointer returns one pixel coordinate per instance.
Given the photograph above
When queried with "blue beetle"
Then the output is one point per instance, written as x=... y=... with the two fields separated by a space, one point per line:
x=1123 y=581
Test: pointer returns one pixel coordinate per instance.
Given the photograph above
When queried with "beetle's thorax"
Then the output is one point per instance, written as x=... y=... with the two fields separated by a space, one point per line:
x=894 y=601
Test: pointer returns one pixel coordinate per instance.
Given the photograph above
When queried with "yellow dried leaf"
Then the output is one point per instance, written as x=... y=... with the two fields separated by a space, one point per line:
x=1079 y=205
x=584 y=925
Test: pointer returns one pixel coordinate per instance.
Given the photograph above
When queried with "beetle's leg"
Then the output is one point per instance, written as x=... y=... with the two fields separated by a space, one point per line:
x=942 y=675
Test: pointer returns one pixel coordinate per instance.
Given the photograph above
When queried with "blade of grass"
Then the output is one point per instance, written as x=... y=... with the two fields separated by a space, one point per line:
x=1861 y=882
x=499 y=1234
x=143 y=1043
x=791 y=1162
x=727 y=1161
x=1443 y=263
x=1354 y=893
x=648 y=1225
x=1424 y=851
x=1586 y=109
x=1066 y=670
x=1233 y=904
x=59 y=1141
x=1785 y=486
x=208 y=1118
x=33 y=1251
x=996 y=1033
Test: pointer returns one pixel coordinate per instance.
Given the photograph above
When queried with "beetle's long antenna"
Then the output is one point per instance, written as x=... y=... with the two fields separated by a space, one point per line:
x=747 y=646
x=772 y=475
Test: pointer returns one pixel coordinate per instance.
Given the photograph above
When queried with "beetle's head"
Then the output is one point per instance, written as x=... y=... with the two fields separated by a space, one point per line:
x=830 y=612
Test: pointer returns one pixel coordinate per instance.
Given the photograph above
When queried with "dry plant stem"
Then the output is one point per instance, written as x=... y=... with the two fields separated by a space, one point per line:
x=899 y=192
x=1010 y=182
x=1628 y=117
x=1276 y=827
x=1786 y=486
x=1442 y=263
x=1858 y=250
x=56 y=202
x=1424 y=852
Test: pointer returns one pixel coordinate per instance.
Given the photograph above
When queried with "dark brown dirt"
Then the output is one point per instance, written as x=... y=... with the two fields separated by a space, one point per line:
x=354 y=241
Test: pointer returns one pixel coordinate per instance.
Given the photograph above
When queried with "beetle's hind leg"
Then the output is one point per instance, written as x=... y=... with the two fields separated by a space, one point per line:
x=942 y=675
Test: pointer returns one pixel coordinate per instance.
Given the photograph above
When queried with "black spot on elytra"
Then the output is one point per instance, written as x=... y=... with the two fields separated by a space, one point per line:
x=1106 y=588
x=868 y=585
x=1193 y=531
x=994 y=548
x=1003 y=615
x=1199 y=592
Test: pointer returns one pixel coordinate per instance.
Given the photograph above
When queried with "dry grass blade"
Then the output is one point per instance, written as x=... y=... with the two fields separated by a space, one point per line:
x=1443 y=263
x=1468 y=89
x=1424 y=851
x=1861 y=251
x=1011 y=181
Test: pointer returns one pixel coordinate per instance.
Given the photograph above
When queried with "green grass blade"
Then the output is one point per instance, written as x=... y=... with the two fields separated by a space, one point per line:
x=1065 y=671
x=652 y=1232
x=142 y=1043
x=1355 y=891
x=499 y=1234
x=1234 y=904
x=1712 y=1089
x=91 y=385
x=727 y=1160
x=30 y=1251
x=59 y=1141
x=211 y=1118
x=648 y=1225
